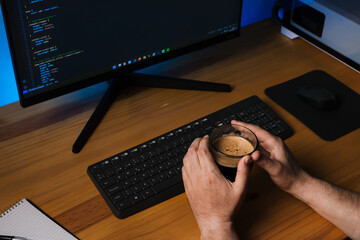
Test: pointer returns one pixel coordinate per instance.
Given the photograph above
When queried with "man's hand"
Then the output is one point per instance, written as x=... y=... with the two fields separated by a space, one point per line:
x=213 y=199
x=336 y=204
x=276 y=159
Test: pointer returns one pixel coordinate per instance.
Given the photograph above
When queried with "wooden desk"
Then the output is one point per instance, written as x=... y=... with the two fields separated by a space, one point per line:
x=36 y=161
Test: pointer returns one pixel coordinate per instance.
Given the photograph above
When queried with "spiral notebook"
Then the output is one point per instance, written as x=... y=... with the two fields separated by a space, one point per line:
x=25 y=220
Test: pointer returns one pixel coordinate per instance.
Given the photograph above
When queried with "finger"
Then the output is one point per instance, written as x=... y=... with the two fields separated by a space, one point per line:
x=187 y=183
x=265 y=138
x=256 y=155
x=265 y=162
x=205 y=157
x=242 y=174
x=191 y=160
x=259 y=132
x=188 y=169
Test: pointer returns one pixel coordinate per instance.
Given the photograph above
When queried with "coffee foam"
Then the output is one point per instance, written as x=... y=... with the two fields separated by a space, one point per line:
x=234 y=146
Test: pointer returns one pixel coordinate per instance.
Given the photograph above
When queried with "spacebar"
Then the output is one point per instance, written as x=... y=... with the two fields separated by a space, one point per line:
x=168 y=183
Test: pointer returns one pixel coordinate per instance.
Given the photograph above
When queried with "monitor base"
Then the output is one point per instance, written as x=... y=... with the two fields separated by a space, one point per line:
x=143 y=80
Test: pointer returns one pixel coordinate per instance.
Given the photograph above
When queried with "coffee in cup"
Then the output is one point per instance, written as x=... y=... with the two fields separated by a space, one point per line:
x=230 y=143
x=234 y=146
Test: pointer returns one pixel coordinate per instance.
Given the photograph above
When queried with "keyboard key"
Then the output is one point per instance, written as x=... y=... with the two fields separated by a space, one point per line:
x=168 y=146
x=169 y=163
x=165 y=185
x=162 y=176
x=170 y=136
x=154 y=180
x=126 y=183
x=123 y=204
x=276 y=130
x=147 y=193
x=126 y=193
x=282 y=125
x=95 y=168
x=137 y=169
x=144 y=147
x=124 y=155
x=204 y=121
x=188 y=128
x=145 y=184
x=117 y=197
x=119 y=168
x=153 y=161
x=100 y=176
x=144 y=175
x=178 y=160
x=178 y=169
x=151 y=153
x=219 y=124
x=135 y=179
x=270 y=114
x=128 y=164
x=196 y=125
x=176 y=143
x=152 y=171
x=136 y=189
x=109 y=172
x=136 y=198
x=106 y=164
x=108 y=182
x=169 y=154
x=128 y=173
x=161 y=167
x=160 y=149
x=171 y=172
x=233 y=117
x=119 y=177
x=179 y=132
x=178 y=151
x=161 y=139
x=185 y=147
x=134 y=151
x=208 y=129
x=183 y=140
x=113 y=189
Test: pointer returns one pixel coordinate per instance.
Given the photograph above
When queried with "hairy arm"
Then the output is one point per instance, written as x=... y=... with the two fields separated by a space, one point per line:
x=214 y=200
x=339 y=206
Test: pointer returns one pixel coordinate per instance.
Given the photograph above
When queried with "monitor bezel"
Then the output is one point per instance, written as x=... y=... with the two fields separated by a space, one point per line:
x=119 y=73
x=286 y=22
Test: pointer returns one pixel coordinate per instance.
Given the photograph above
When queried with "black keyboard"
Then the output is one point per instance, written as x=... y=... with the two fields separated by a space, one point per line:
x=150 y=173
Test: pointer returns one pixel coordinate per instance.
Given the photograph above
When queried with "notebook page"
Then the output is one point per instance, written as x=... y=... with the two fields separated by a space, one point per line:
x=25 y=220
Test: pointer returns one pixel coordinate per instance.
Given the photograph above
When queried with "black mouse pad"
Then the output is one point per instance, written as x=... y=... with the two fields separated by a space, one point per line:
x=328 y=125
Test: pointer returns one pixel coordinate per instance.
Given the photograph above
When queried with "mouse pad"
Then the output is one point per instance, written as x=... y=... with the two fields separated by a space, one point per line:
x=328 y=125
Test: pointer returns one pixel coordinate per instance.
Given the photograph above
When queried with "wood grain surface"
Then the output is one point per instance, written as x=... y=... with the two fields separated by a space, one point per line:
x=36 y=161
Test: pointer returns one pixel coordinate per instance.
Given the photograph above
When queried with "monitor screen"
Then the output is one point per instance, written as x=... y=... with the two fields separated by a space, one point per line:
x=332 y=25
x=61 y=46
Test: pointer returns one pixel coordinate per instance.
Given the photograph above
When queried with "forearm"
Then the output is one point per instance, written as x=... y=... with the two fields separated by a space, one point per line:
x=223 y=232
x=339 y=206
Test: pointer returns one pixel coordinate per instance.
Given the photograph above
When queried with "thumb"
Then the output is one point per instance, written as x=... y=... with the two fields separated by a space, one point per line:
x=242 y=173
x=264 y=162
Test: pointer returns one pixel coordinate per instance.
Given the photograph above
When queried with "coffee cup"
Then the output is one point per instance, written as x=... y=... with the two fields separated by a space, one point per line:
x=229 y=144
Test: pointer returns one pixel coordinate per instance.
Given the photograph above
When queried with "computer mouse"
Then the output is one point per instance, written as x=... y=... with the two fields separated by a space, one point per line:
x=318 y=98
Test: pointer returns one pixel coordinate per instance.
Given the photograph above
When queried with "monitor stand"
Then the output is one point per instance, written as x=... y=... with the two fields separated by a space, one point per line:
x=141 y=80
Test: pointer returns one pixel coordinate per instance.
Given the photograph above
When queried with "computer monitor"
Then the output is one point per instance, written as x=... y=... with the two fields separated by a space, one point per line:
x=61 y=46
x=331 y=25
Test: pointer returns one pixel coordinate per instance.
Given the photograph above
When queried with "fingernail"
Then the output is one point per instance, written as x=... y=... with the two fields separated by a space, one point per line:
x=247 y=160
x=206 y=136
